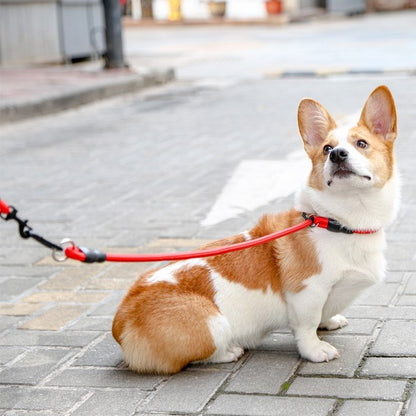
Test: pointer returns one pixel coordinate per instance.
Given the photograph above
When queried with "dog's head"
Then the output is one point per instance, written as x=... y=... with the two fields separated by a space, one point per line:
x=353 y=157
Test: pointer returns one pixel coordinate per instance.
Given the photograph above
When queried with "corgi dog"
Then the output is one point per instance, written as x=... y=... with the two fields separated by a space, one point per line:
x=210 y=310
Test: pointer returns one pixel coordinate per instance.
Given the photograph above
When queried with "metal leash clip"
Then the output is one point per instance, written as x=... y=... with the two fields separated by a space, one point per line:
x=59 y=255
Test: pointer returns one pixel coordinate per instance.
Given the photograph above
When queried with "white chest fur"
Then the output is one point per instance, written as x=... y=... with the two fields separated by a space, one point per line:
x=344 y=254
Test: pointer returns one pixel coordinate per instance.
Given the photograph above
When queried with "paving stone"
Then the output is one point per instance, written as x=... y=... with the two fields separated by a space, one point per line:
x=380 y=294
x=225 y=367
x=26 y=272
x=8 y=322
x=29 y=413
x=92 y=323
x=109 y=284
x=68 y=296
x=129 y=271
x=55 y=318
x=252 y=405
x=30 y=255
x=10 y=353
x=33 y=366
x=186 y=392
x=354 y=327
x=348 y=388
x=369 y=408
x=394 y=277
x=47 y=338
x=155 y=414
x=69 y=279
x=278 y=342
x=264 y=372
x=407 y=300
x=178 y=243
x=410 y=288
x=381 y=312
x=394 y=339
x=30 y=398
x=11 y=288
x=109 y=306
x=411 y=411
x=108 y=402
x=351 y=351
x=106 y=353
x=94 y=377
x=19 y=309
x=401 y=265
x=390 y=367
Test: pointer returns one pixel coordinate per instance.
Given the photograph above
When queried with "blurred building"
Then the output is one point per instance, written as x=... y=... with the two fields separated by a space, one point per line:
x=255 y=9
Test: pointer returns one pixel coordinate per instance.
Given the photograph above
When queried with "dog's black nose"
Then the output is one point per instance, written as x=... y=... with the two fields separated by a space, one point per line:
x=338 y=155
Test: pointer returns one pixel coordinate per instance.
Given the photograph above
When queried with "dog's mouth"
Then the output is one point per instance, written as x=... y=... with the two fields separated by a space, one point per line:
x=344 y=172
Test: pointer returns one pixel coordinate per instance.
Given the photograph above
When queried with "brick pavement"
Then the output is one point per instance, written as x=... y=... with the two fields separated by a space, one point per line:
x=140 y=173
x=57 y=356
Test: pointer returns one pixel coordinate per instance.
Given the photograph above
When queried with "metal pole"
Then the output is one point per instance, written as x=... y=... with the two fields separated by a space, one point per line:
x=114 y=57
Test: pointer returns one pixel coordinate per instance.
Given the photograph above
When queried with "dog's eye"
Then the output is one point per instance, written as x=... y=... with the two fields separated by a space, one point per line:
x=327 y=149
x=362 y=144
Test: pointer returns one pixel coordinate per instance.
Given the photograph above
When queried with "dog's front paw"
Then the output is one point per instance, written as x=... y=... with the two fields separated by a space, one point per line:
x=336 y=322
x=320 y=352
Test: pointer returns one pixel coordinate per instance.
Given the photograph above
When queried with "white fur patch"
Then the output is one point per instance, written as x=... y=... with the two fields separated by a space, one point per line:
x=250 y=313
x=167 y=274
x=246 y=235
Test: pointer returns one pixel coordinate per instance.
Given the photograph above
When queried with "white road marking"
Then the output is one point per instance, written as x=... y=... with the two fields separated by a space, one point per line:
x=255 y=183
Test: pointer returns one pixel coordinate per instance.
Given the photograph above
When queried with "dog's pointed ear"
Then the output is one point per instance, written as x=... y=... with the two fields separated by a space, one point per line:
x=314 y=122
x=379 y=114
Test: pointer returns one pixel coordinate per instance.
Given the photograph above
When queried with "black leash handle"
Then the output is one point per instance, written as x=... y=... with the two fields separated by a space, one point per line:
x=26 y=231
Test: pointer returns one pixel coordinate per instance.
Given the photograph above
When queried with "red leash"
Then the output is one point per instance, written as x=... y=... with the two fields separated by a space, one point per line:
x=4 y=208
x=87 y=255
x=91 y=256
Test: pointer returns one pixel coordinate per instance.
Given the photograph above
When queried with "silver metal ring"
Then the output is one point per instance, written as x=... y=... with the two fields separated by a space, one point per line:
x=60 y=256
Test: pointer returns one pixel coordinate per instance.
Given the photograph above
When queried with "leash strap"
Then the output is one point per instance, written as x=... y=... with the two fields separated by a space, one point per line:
x=91 y=256
x=68 y=249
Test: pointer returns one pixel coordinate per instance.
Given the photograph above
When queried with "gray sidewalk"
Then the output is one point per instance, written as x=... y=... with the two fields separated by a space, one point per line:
x=36 y=91
x=140 y=173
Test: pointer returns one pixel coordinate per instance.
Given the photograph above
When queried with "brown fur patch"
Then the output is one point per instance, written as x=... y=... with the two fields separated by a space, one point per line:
x=169 y=321
x=173 y=323
x=295 y=254
x=379 y=153
x=280 y=265
x=255 y=267
x=196 y=279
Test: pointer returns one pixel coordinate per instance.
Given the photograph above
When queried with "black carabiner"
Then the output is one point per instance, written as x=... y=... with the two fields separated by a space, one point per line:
x=26 y=231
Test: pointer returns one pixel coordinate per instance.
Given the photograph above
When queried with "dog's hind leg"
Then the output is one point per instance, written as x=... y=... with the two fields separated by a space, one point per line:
x=226 y=350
